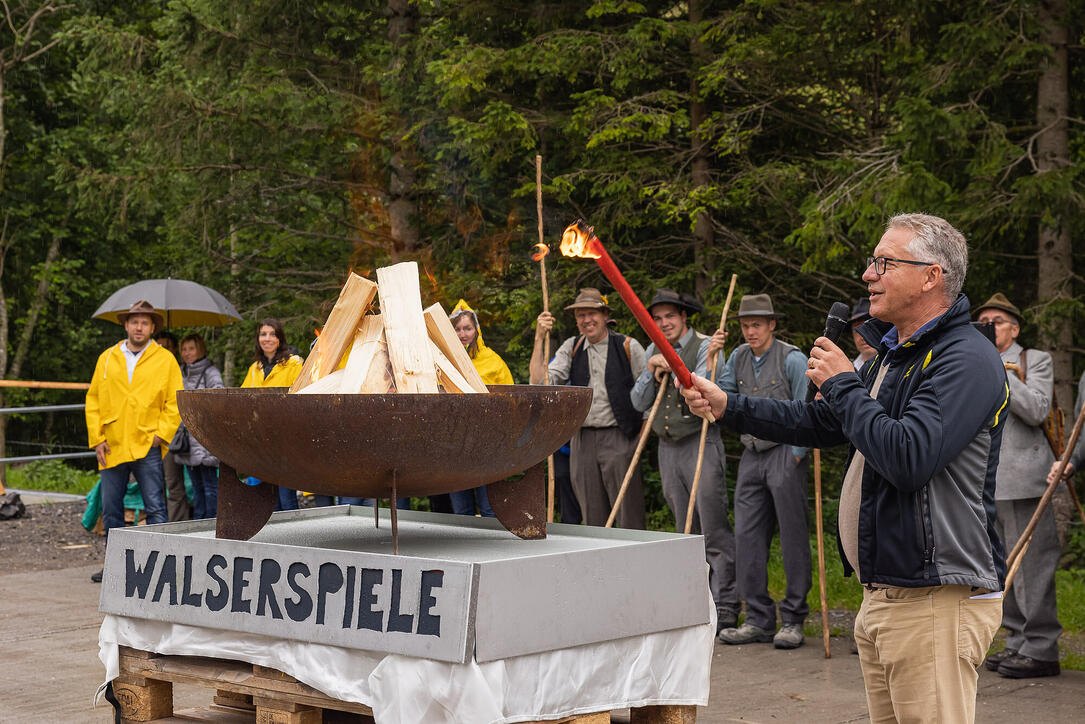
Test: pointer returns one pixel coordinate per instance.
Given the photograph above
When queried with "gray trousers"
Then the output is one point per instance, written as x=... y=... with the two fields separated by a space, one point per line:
x=771 y=488
x=677 y=464
x=597 y=464
x=176 y=499
x=1029 y=612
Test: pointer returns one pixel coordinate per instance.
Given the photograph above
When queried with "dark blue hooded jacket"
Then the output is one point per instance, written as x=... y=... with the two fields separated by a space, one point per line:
x=931 y=441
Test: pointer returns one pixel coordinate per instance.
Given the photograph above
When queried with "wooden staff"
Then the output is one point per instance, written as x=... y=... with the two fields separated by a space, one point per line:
x=32 y=384
x=645 y=430
x=704 y=423
x=1019 y=549
x=821 y=553
x=550 y=492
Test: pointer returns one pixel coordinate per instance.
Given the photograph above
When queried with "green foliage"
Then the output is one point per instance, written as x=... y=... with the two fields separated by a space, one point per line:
x=266 y=152
x=52 y=476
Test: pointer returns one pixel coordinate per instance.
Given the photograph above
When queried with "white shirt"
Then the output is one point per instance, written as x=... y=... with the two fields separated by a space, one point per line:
x=131 y=358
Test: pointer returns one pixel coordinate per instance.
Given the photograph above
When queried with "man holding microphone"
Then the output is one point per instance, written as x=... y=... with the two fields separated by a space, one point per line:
x=917 y=512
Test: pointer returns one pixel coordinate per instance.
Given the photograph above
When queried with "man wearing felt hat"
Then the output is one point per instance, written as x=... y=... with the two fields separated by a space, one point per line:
x=131 y=413
x=1029 y=613
x=771 y=484
x=679 y=436
x=609 y=363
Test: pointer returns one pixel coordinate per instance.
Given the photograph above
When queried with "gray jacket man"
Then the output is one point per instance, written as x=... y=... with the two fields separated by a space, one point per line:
x=1029 y=613
x=679 y=433
x=771 y=485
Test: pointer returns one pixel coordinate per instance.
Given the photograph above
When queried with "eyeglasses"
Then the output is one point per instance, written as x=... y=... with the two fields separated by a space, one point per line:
x=879 y=263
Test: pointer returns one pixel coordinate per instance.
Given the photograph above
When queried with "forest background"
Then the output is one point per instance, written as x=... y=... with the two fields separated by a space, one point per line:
x=266 y=148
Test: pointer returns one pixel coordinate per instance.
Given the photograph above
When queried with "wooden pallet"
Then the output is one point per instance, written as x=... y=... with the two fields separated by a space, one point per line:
x=246 y=693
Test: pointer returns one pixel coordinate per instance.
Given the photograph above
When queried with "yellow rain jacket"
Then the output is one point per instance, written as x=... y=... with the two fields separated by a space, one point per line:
x=128 y=415
x=282 y=374
x=488 y=363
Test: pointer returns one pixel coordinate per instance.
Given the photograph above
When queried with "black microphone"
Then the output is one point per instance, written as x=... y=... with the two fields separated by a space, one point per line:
x=835 y=324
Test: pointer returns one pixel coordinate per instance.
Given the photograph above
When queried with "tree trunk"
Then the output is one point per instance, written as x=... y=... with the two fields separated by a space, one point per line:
x=702 y=223
x=1052 y=153
x=1055 y=271
x=401 y=206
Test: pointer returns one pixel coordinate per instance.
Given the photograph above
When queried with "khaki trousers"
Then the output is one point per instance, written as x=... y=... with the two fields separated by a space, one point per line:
x=919 y=649
x=599 y=460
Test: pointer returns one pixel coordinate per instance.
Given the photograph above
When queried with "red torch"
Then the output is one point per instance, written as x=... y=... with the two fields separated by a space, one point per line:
x=579 y=240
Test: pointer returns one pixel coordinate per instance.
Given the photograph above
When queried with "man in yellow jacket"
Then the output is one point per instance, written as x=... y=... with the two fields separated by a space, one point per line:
x=132 y=416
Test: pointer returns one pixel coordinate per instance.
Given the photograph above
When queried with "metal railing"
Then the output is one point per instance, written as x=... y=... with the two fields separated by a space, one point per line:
x=43 y=408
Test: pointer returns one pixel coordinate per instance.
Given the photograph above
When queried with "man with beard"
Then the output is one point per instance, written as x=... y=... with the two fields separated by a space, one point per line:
x=602 y=449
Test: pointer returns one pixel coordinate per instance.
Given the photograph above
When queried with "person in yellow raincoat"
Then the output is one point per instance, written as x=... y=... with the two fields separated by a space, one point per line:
x=274 y=365
x=493 y=371
x=131 y=413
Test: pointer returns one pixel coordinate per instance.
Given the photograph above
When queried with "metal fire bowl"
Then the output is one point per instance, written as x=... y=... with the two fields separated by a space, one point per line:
x=354 y=444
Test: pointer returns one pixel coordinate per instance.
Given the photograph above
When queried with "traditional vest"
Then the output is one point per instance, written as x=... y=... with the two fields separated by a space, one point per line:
x=771 y=383
x=618 y=380
x=674 y=421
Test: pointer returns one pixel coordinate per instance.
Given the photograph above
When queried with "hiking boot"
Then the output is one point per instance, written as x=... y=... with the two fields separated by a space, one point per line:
x=1026 y=667
x=97 y=577
x=725 y=619
x=747 y=633
x=789 y=636
x=993 y=661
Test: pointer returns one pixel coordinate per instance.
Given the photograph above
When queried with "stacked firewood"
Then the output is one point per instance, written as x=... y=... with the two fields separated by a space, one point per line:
x=402 y=349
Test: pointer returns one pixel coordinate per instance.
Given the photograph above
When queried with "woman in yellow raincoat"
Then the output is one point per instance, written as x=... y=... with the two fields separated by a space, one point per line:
x=493 y=371
x=274 y=365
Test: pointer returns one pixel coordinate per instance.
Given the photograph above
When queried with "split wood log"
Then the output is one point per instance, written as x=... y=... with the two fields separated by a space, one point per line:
x=444 y=336
x=363 y=352
x=380 y=379
x=338 y=333
x=405 y=329
x=447 y=374
x=327 y=385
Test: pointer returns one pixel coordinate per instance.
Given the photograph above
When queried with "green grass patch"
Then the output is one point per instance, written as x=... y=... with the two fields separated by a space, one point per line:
x=1070 y=595
x=52 y=476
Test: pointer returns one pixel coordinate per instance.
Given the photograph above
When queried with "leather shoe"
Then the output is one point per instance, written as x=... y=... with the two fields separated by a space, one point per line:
x=725 y=619
x=789 y=636
x=1026 y=667
x=97 y=577
x=747 y=633
x=993 y=661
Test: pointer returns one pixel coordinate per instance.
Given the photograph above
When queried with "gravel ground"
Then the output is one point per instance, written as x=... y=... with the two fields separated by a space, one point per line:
x=49 y=536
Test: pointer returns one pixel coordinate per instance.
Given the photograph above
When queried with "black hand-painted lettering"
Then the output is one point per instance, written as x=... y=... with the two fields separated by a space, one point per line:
x=428 y=624
x=217 y=601
x=367 y=616
x=137 y=580
x=270 y=572
x=167 y=576
x=329 y=580
x=240 y=604
x=398 y=621
x=348 y=597
x=302 y=608
x=188 y=598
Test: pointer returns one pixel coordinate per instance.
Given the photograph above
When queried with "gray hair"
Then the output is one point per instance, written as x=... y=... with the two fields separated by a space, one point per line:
x=935 y=240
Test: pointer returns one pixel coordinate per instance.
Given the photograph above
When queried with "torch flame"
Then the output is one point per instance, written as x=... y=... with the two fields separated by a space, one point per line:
x=578 y=240
x=541 y=250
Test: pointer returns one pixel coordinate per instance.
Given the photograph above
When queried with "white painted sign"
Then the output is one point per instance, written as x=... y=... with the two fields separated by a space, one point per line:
x=414 y=606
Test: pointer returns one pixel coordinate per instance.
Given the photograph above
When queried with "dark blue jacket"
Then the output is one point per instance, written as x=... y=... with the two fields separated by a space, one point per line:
x=931 y=441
